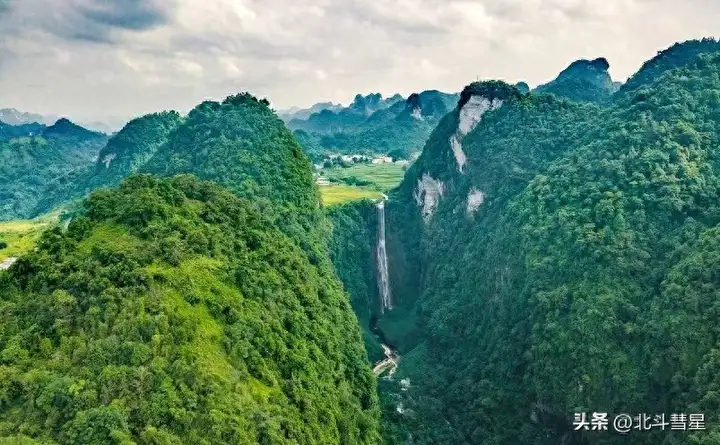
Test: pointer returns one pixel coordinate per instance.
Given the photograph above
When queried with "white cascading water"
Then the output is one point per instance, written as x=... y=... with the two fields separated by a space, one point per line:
x=382 y=261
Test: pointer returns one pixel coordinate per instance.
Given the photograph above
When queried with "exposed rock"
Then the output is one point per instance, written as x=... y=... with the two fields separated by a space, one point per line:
x=475 y=199
x=108 y=159
x=471 y=114
x=417 y=114
x=427 y=194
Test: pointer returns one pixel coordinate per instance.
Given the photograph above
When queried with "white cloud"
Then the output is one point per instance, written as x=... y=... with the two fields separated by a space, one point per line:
x=88 y=60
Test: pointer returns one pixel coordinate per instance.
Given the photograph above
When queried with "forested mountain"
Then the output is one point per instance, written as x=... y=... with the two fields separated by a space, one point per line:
x=176 y=312
x=678 y=55
x=331 y=119
x=8 y=131
x=583 y=80
x=551 y=252
x=296 y=113
x=374 y=125
x=182 y=311
x=239 y=143
x=31 y=156
x=550 y=257
x=125 y=153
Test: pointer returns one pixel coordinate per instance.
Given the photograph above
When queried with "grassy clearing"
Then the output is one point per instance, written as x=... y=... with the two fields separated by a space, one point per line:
x=338 y=194
x=384 y=176
x=21 y=235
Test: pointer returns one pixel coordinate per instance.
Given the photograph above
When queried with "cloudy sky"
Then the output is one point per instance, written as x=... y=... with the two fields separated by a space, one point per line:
x=108 y=60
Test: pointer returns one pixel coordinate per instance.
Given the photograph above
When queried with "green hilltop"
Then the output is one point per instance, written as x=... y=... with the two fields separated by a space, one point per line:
x=173 y=310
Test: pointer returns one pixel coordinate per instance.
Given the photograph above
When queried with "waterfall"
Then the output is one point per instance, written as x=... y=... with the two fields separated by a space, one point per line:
x=382 y=261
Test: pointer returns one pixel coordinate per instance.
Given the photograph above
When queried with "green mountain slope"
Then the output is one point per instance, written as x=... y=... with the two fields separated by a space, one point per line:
x=176 y=312
x=678 y=55
x=240 y=144
x=124 y=154
x=8 y=132
x=28 y=162
x=551 y=257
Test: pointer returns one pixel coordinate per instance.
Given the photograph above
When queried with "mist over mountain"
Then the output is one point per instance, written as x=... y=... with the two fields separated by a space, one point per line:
x=11 y=116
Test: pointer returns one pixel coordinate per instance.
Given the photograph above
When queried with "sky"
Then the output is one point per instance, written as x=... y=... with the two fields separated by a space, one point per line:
x=105 y=60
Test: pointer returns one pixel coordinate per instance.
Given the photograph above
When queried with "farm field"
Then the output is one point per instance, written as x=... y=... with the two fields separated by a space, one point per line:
x=384 y=177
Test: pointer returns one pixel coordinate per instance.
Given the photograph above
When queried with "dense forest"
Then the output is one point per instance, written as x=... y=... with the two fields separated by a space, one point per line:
x=552 y=251
x=33 y=155
x=568 y=264
x=179 y=311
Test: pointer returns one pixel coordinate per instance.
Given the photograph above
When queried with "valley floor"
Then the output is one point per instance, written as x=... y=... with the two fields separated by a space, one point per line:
x=21 y=235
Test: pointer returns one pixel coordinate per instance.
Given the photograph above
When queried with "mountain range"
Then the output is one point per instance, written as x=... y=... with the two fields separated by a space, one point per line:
x=373 y=125
x=551 y=252
x=12 y=116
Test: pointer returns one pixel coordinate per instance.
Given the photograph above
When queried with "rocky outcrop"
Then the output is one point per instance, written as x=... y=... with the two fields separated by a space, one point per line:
x=427 y=194
x=475 y=199
x=470 y=115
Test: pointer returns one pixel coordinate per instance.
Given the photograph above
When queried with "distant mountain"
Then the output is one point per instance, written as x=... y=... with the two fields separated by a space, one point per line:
x=340 y=119
x=12 y=116
x=124 y=154
x=372 y=124
x=8 y=131
x=35 y=156
x=102 y=127
x=304 y=113
x=584 y=81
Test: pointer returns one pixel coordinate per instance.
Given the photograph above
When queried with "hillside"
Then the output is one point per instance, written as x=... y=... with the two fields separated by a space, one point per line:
x=549 y=257
x=241 y=144
x=374 y=125
x=125 y=153
x=34 y=156
x=238 y=143
x=8 y=132
x=176 y=312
